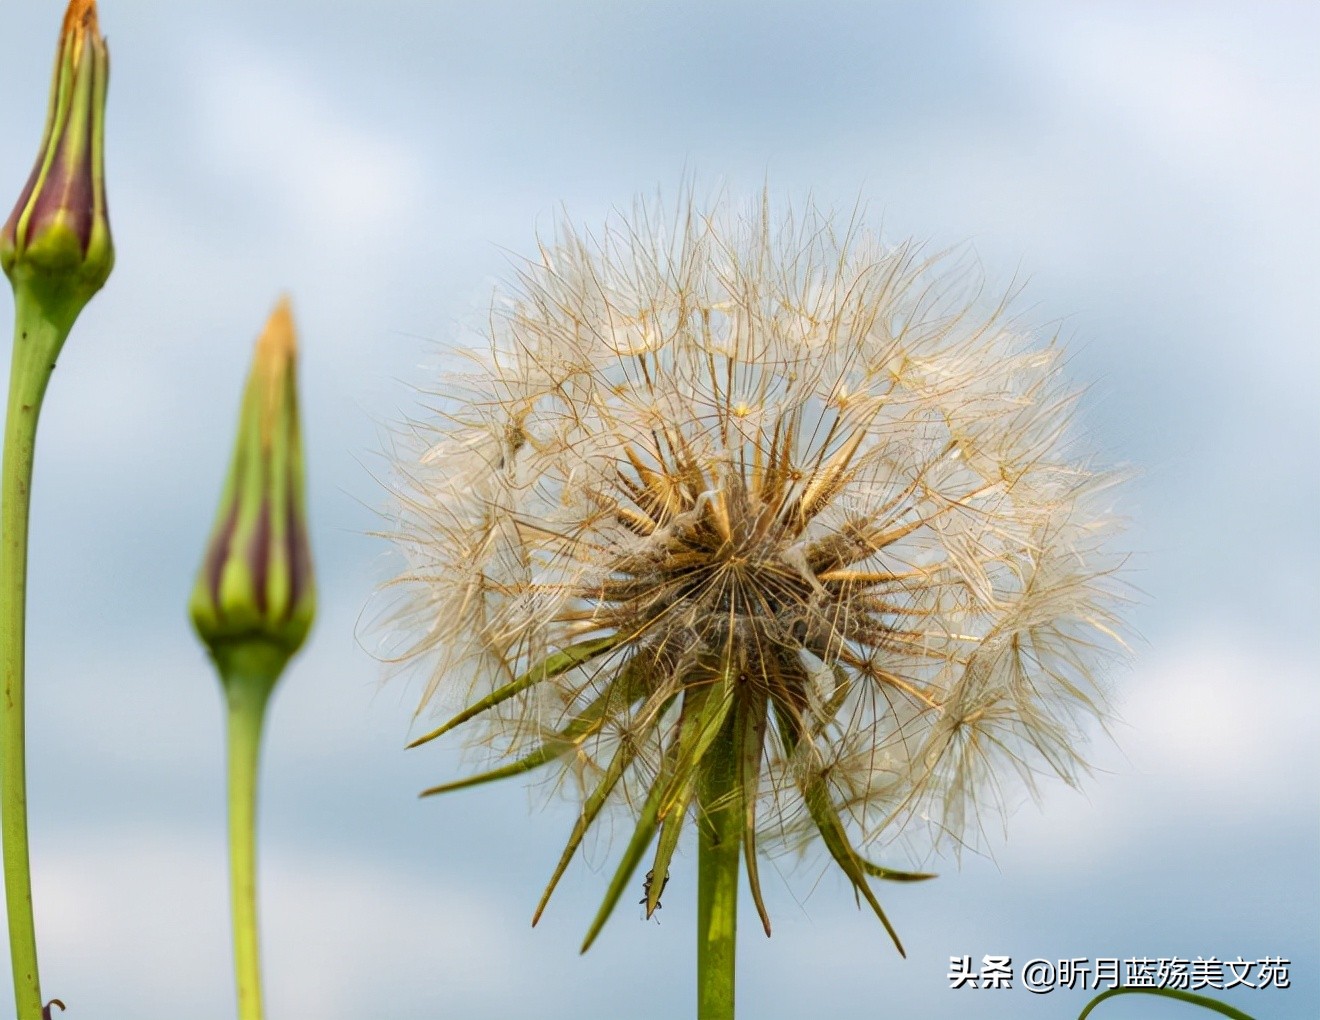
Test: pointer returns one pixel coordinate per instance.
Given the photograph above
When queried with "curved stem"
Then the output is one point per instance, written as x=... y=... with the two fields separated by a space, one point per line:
x=37 y=341
x=1205 y=1002
x=248 y=680
x=720 y=825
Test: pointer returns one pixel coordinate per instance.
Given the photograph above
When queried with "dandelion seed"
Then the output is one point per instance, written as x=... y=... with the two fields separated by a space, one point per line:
x=790 y=541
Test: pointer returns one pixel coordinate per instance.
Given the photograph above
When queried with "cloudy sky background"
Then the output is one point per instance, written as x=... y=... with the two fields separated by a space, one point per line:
x=1150 y=172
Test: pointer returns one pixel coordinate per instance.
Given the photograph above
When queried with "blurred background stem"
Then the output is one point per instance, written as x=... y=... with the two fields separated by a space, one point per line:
x=248 y=672
x=37 y=341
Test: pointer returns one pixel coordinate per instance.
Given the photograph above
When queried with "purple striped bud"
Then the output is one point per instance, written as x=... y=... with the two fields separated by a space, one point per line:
x=57 y=240
x=255 y=585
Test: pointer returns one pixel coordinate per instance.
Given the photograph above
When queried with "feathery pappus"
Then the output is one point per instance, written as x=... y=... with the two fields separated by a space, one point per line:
x=750 y=513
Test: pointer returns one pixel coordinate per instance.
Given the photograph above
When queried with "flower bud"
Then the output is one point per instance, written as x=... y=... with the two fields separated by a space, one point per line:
x=255 y=586
x=57 y=240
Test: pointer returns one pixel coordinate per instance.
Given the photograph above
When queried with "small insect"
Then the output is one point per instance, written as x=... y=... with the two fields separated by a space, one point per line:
x=646 y=888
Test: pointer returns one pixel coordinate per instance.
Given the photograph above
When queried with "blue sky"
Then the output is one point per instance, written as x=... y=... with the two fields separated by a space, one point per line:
x=1149 y=172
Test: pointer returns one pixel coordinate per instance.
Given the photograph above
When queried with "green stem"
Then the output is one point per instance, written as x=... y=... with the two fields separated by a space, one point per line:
x=1204 y=1001
x=37 y=342
x=720 y=826
x=248 y=672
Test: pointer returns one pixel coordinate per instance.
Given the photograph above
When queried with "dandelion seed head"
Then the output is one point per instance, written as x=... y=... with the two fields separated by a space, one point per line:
x=768 y=454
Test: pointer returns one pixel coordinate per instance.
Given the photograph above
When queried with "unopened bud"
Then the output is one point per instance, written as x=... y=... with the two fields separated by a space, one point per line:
x=57 y=242
x=255 y=586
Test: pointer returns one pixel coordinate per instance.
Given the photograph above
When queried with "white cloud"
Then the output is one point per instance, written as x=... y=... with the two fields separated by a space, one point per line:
x=1217 y=719
x=268 y=125
x=1215 y=735
x=1214 y=93
x=136 y=923
x=1189 y=136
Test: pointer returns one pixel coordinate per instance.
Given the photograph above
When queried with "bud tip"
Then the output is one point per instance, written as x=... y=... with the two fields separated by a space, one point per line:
x=80 y=18
x=278 y=341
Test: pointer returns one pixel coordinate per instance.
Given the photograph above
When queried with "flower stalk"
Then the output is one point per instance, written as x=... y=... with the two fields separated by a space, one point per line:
x=36 y=341
x=720 y=803
x=56 y=249
x=248 y=674
x=253 y=605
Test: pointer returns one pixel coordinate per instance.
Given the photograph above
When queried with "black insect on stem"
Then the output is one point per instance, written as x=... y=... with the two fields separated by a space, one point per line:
x=646 y=888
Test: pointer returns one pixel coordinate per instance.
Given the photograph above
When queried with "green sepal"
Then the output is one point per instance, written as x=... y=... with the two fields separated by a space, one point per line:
x=815 y=793
x=749 y=733
x=616 y=695
x=705 y=708
x=632 y=856
x=893 y=874
x=624 y=756
x=551 y=666
x=670 y=830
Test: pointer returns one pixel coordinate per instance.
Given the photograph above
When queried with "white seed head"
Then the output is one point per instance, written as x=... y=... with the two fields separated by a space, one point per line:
x=726 y=440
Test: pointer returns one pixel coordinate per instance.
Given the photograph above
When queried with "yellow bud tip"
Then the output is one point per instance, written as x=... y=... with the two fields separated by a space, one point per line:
x=80 y=19
x=272 y=364
x=278 y=342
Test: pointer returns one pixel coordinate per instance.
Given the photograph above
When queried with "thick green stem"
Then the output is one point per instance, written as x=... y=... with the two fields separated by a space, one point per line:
x=249 y=673
x=720 y=827
x=37 y=342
